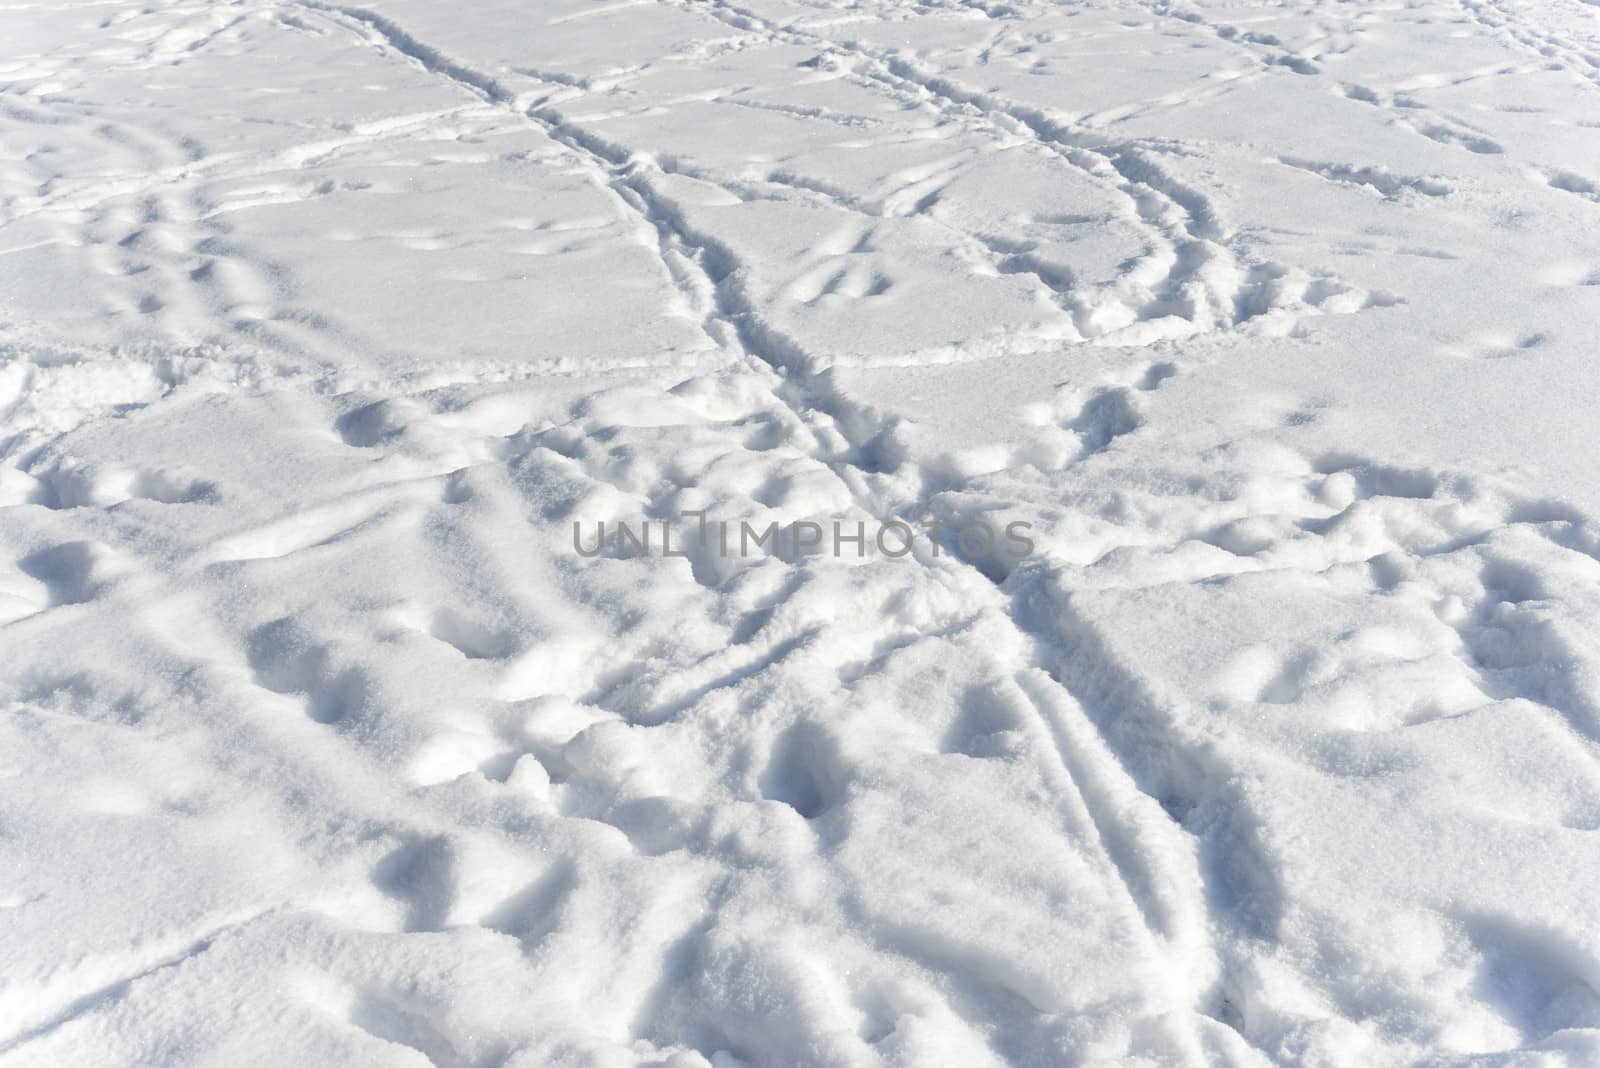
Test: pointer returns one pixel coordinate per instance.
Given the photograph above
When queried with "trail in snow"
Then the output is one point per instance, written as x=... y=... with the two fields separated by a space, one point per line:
x=1130 y=849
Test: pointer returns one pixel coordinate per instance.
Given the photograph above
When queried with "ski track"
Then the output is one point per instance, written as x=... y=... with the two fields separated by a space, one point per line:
x=730 y=320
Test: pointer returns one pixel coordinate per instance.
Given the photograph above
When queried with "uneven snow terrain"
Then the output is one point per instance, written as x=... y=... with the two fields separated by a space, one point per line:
x=323 y=326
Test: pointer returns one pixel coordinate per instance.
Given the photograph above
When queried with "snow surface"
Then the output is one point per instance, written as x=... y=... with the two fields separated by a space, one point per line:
x=321 y=326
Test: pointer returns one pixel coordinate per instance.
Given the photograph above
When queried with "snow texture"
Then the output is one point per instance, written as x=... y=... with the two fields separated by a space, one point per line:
x=322 y=328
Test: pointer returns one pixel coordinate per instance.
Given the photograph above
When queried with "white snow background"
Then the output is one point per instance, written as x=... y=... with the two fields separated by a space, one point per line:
x=321 y=326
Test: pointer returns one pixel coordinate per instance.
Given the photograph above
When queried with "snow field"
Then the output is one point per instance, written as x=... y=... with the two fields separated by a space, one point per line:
x=323 y=325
